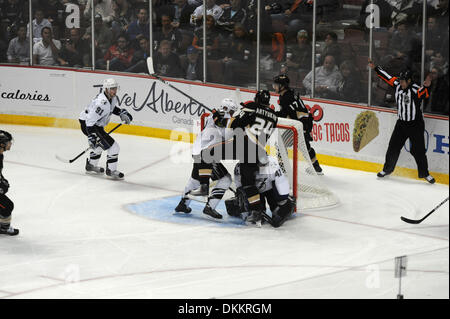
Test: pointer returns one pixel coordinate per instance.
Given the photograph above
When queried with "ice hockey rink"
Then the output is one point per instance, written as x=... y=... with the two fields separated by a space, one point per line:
x=83 y=236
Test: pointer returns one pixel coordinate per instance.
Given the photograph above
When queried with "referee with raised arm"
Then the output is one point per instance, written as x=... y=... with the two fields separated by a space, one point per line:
x=410 y=123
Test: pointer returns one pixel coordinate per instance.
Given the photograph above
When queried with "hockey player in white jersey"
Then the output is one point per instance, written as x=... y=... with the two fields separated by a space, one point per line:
x=273 y=187
x=198 y=184
x=93 y=120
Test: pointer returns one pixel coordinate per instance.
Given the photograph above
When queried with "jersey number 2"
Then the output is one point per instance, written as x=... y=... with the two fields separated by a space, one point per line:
x=261 y=126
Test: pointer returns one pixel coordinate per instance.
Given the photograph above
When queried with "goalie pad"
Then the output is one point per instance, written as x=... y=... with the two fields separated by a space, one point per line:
x=282 y=212
x=238 y=204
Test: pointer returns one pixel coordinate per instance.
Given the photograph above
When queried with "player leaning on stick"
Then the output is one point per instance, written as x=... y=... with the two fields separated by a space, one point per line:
x=6 y=205
x=93 y=120
x=292 y=107
x=202 y=172
x=410 y=123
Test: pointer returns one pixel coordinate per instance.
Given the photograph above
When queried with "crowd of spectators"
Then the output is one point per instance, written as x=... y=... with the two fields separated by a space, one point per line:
x=62 y=37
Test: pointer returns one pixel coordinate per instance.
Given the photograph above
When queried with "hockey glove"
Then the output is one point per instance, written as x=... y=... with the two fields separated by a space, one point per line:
x=92 y=140
x=125 y=116
x=4 y=185
x=218 y=118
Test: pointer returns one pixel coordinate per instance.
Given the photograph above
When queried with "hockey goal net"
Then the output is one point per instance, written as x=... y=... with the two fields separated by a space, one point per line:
x=287 y=144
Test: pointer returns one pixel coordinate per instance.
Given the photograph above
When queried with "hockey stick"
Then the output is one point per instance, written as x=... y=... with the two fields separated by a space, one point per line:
x=418 y=221
x=151 y=71
x=79 y=155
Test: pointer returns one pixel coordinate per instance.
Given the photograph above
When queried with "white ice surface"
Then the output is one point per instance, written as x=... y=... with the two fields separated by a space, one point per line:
x=77 y=240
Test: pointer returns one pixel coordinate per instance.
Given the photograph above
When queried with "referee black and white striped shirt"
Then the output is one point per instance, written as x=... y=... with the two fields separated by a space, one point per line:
x=408 y=100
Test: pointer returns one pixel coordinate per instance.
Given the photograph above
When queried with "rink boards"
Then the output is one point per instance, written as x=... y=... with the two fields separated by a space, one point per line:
x=55 y=97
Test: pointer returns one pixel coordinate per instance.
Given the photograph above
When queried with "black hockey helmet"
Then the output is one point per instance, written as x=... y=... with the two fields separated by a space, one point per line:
x=405 y=75
x=262 y=97
x=282 y=80
x=5 y=137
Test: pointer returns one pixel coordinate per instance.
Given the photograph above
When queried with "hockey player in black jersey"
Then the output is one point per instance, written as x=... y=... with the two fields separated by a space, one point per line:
x=252 y=128
x=6 y=205
x=292 y=107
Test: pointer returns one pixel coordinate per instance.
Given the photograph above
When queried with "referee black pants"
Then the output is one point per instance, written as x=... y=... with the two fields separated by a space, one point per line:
x=403 y=130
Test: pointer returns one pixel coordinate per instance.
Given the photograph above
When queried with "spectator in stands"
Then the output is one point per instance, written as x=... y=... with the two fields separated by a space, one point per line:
x=139 y=61
x=103 y=7
x=139 y=29
x=212 y=38
x=166 y=62
x=46 y=51
x=439 y=61
x=195 y=3
x=193 y=65
x=434 y=37
x=3 y=45
x=181 y=12
x=119 y=55
x=75 y=51
x=438 y=100
x=332 y=47
x=327 y=78
x=299 y=55
x=38 y=23
x=103 y=38
x=19 y=47
x=239 y=57
x=405 y=45
x=266 y=21
x=168 y=32
x=54 y=12
x=442 y=13
x=231 y=15
x=349 y=88
x=211 y=9
x=406 y=11
x=13 y=13
x=122 y=16
x=291 y=13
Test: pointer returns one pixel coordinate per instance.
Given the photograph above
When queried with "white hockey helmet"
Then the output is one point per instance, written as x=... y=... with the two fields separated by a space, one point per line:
x=228 y=106
x=110 y=84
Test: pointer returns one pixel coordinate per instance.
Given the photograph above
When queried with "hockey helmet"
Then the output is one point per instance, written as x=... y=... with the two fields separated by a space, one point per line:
x=110 y=83
x=228 y=106
x=262 y=97
x=5 y=137
x=282 y=80
x=405 y=75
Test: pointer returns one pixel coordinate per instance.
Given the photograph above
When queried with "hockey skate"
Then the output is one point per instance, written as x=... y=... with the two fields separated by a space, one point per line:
x=430 y=179
x=114 y=174
x=203 y=190
x=255 y=218
x=317 y=168
x=9 y=231
x=91 y=169
x=211 y=212
x=182 y=207
x=382 y=174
